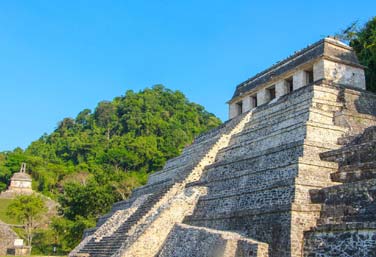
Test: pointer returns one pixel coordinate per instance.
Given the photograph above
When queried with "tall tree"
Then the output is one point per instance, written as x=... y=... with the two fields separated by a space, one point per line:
x=28 y=210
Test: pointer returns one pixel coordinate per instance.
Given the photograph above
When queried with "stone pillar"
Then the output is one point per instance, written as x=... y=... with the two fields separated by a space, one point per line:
x=253 y=101
x=280 y=88
x=318 y=70
x=233 y=110
x=247 y=104
x=262 y=96
x=299 y=79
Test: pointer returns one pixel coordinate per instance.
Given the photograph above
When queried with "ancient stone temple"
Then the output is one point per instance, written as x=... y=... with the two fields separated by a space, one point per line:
x=20 y=183
x=10 y=243
x=285 y=176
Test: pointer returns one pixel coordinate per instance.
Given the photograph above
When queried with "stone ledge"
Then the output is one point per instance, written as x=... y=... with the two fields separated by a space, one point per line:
x=244 y=173
x=229 y=124
x=276 y=149
x=281 y=108
x=286 y=208
x=356 y=172
x=355 y=115
x=319 y=196
x=158 y=184
x=336 y=155
x=248 y=190
x=348 y=226
x=247 y=143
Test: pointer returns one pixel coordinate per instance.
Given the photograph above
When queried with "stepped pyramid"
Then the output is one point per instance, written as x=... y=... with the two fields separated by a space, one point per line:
x=247 y=187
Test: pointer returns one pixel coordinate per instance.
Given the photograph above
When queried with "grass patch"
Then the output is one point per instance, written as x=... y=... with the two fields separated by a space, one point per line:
x=35 y=256
x=4 y=203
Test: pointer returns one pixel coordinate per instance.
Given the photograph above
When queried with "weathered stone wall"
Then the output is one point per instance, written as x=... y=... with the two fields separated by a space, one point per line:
x=341 y=73
x=20 y=184
x=345 y=241
x=358 y=110
x=7 y=237
x=187 y=241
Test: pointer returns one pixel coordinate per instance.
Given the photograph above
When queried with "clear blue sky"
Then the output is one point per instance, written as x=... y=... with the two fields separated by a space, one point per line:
x=59 y=57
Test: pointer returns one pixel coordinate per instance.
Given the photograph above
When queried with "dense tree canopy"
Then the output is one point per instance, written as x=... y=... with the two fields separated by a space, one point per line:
x=97 y=158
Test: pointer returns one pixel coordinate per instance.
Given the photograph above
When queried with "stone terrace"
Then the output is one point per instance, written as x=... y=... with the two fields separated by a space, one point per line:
x=347 y=223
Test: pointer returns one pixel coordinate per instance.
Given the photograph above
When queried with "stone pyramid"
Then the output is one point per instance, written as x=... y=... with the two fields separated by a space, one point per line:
x=249 y=187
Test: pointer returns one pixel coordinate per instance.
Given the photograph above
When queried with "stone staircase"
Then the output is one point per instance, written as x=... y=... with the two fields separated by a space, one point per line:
x=114 y=243
x=347 y=222
x=108 y=245
x=174 y=192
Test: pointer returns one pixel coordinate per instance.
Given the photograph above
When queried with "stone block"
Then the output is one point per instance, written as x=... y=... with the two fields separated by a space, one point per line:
x=186 y=241
x=262 y=97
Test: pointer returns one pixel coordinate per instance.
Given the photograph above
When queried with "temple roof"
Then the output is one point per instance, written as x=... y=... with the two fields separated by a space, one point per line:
x=21 y=176
x=327 y=47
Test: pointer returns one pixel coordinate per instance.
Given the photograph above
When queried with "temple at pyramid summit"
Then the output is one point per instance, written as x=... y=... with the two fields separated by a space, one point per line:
x=20 y=184
x=292 y=173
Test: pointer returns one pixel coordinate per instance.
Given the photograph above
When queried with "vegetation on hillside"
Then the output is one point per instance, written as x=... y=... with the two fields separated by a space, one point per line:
x=97 y=158
x=28 y=209
x=4 y=216
x=363 y=40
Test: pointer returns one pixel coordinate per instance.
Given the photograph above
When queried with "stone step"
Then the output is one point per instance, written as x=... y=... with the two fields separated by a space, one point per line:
x=350 y=192
x=263 y=198
x=260 y=143
x=186 y=159
x=345 y=140
x=335 y=214
x=355 y=172
x=257 y=160
x=248 y=187
x=113 y=242
x=345 y=201
x=326 y=105
x=352 y=154
x=170 y=174
x=263 y=120
x=345 y=239
x=361 y=218
x=258 y=132
x=224 y=128
x=202 y=145
x=151 y=187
